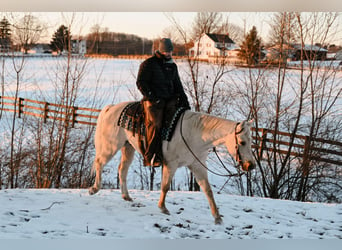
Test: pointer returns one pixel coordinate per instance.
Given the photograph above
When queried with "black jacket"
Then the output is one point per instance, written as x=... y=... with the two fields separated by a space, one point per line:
x=159 y=79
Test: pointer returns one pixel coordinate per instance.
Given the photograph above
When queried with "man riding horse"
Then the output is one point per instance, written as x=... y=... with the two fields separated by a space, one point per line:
x=158 y=81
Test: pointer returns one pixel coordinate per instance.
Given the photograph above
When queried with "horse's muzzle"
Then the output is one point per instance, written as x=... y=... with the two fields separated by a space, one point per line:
x=248 y=166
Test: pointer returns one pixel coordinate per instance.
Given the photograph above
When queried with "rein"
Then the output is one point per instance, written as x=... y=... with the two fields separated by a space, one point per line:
x=214 y=149
x=238 y=154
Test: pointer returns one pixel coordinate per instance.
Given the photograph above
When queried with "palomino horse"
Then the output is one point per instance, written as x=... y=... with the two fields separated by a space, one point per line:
x=197 y=131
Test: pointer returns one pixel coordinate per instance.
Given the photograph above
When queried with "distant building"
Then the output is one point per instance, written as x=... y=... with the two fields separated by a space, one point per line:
x=212 y=46
x=338 y=55
x=296 y=52
x=40 y=49
x=79 y=47
x=334 y=53
x=272 y=54
x=312 y=52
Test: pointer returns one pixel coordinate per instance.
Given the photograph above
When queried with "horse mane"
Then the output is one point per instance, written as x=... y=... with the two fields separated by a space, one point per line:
x=209 y=123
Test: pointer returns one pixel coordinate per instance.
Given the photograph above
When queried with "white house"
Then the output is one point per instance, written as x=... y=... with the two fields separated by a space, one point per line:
x=79 y=47
x=338 y=55
x=213 y=46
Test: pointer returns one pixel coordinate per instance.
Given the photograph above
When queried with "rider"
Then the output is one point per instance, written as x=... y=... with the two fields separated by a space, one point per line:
x=158 y=81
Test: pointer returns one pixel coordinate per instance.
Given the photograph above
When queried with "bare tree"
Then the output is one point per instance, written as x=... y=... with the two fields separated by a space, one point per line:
x=14 y=163
x=27 y=31
x=322 y=90
x=234 y=31
x=297 y=102
x=284 y=28
x=206 y=22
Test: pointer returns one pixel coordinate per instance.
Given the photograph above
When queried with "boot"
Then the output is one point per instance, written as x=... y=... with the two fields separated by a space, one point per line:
x=156 y=160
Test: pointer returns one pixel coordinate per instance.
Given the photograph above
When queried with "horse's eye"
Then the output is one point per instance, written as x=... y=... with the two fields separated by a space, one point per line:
x=243 y=143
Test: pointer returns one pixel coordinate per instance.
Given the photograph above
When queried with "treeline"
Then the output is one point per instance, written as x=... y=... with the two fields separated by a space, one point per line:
x=24 y=34
x=117 y=44
x=113 y=43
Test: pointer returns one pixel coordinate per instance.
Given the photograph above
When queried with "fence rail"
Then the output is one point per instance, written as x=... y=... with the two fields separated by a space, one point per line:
x=306 y=147
x=317 y=149
x=45 y=110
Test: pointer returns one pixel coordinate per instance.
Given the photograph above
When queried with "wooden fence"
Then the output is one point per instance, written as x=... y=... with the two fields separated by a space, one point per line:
x=46 y=110
x=317 y=149
x=305 y=147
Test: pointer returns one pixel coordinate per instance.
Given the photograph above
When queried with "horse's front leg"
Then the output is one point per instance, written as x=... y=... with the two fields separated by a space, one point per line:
x=168 y=173
x=202 y=179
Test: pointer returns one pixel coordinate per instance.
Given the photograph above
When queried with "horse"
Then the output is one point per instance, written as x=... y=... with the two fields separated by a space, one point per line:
x=194 y=135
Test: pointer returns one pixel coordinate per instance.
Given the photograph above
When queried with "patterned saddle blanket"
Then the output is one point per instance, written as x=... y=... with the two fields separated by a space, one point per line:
x=132 y=119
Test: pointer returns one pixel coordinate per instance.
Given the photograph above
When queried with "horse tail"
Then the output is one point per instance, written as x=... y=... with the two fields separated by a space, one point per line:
x=99 y=125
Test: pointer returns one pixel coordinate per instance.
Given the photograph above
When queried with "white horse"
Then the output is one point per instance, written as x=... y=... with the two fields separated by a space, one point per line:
x=196 y=131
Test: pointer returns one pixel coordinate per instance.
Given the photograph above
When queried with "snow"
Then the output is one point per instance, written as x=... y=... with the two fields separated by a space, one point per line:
x=74 y=214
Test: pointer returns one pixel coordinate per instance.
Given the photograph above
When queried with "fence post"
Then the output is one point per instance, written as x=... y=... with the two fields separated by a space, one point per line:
x=74 y=110
x=306 y=156
x=46 y=111
x=263 y=142
x=20 y=106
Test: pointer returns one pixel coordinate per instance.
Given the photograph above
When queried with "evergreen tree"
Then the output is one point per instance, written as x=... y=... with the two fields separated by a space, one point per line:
x=251 y=47
x=61 y=39
x=5 y=30
x=5 y=34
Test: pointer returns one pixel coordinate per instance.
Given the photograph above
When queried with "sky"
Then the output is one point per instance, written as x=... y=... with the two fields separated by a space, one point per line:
x=149 y=25
x=147 y=18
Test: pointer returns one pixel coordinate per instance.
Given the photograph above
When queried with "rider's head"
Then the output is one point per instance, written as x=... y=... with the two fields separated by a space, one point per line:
x=166 y=47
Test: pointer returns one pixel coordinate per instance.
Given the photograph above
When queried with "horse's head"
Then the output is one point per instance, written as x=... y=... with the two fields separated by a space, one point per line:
x=242 y=152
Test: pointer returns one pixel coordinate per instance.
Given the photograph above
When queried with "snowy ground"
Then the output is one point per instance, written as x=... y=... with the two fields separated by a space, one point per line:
x=73 y=214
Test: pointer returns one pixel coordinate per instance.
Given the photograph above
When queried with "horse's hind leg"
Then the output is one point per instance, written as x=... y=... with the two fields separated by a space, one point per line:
x=127 y=156
x=202 y=179
x=100 y=161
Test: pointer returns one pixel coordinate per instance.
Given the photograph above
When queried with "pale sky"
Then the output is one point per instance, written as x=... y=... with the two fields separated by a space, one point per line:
x=144 y=24
x=149 y=25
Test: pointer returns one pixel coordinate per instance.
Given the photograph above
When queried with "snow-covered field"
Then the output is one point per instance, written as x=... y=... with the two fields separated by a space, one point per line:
x=74 y=214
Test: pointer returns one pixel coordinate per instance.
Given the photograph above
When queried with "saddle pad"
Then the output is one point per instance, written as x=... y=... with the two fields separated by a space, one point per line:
x=169 y=129
x=130 y=119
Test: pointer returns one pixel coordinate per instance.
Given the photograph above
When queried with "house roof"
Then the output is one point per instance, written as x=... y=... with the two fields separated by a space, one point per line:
x=310 y=47
x=307 y=47
x=219 y=38
x=334 y=49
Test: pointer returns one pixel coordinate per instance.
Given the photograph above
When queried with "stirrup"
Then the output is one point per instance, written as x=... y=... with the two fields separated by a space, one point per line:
x=155 y=163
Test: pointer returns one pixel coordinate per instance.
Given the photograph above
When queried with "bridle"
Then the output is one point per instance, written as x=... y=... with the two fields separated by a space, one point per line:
x=237 y=157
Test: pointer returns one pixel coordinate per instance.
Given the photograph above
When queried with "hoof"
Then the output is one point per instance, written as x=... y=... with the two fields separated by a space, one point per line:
x=218 y=221
x=165 y=211
x=127 y=198
x=93 y=190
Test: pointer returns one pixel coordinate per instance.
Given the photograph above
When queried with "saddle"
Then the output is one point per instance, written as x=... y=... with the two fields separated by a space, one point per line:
x=132 y=119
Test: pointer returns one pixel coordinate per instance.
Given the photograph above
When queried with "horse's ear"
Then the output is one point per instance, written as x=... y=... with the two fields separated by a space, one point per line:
x=250 y=123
